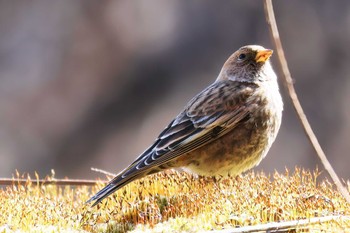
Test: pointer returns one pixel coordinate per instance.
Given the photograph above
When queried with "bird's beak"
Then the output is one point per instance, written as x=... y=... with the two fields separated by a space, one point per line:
x=263 y=55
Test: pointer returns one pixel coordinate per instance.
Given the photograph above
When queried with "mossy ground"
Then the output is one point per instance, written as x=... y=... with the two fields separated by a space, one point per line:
x=175 y=202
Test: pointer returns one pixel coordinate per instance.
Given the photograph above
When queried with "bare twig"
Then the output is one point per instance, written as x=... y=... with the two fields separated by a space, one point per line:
x=283 y=226
x=270 y=17
x=23 y=181
x=103 y=171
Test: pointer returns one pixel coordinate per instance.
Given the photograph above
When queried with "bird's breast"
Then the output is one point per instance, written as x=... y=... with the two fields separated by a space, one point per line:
x=245 y=145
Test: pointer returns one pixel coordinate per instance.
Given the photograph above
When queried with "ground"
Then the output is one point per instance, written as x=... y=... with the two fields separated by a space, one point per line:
x=177 y=202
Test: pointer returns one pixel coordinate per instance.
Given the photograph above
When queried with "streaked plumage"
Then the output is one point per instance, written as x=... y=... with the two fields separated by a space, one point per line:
x=224 y=130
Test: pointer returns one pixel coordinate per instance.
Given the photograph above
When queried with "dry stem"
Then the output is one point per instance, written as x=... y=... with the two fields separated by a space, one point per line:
x=270 y=17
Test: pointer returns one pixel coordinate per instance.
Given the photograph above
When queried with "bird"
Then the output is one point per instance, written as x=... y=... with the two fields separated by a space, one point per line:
x=226 y=129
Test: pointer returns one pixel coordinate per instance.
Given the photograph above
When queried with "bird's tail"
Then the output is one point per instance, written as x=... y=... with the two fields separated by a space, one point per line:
x=111 y=187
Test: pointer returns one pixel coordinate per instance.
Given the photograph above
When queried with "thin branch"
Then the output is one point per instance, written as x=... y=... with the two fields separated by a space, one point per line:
x=270 y=17
x=283 y=226
x=18 y=181
x=48 y=181
x=103 y=172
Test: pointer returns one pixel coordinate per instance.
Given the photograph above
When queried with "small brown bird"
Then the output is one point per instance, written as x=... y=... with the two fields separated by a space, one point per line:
x=226 y=129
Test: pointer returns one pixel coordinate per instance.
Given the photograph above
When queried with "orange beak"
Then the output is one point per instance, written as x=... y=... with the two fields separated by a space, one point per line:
x=263 y=55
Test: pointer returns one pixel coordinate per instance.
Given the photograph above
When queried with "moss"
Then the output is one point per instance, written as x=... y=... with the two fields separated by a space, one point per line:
x=173 y=202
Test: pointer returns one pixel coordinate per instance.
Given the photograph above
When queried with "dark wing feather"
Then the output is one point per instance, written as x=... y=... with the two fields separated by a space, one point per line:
x=220 y=106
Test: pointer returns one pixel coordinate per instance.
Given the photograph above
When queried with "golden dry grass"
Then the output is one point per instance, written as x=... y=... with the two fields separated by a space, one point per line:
x=175 y=202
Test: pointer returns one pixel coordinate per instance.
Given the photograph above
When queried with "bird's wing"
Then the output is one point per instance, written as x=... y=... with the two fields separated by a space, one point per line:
x=212 y=113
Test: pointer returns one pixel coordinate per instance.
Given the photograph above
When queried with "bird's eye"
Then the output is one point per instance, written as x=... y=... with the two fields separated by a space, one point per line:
x=242 y=56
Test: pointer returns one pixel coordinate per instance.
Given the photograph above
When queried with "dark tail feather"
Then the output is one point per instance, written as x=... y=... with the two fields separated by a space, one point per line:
x=113 y=186
x=102 y=194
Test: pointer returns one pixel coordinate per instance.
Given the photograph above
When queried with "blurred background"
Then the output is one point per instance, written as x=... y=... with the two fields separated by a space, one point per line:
x=85 y=84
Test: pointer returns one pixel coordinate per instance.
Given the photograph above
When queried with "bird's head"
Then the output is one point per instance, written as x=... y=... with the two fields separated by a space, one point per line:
x=248 y=64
